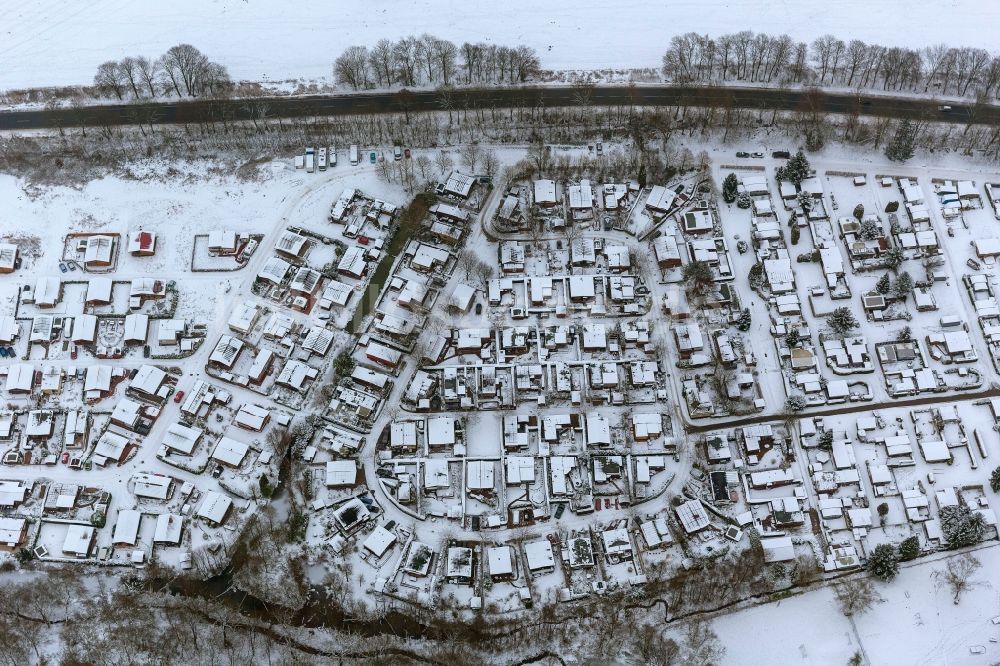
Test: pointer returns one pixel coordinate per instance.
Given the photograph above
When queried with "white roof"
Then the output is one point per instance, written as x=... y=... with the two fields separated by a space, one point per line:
x=136 y=327
x=341 y=473
x=20 y=377
x=244 y=317
x=78 y=540
x=110 y=445
x=230 y=451
x=777 y=548
x=318 y=340
x=10 y=531
x=290 y=243
x=660 y=198
x=539 y=555
x=500 y=561
x=545 y=191
x=581 y=196
x=223 y=239
x=435 y=473
x=98 y=249
x=214 y=507
x=251 y=416
x=379 y=541
x=85 y=328
x=127 y=411
x=168 y=528
x=353 y=261
x=47 y=291
x=127 y=527
x=441 y=431
x=148 y=379
x=98 y=378
x=692 y=516
x=182 y=438
x=226 y=351
x=9 y=329
x=598 y=428
x=99 y=290
x=8 y=255
x=274 y=270
x=479 y=475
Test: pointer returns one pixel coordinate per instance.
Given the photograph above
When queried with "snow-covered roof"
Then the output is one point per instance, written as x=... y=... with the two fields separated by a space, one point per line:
x=182 y=438
x=127 y=528
x=340 y=473
x=214 y=507
x=230 y=452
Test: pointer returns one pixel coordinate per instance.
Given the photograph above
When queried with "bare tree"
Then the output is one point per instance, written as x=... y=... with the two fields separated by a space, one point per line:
x=110 y=79
x=184 y=66
x=470 y=154
x=957 y=574
x=855 y=596
x=490 y=163
x=351 y=67
x=130 y=71
x=444 y=162
x=148 y=72
x=424 y=166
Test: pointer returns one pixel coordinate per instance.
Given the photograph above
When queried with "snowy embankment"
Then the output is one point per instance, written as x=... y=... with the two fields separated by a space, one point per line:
x=59 y=42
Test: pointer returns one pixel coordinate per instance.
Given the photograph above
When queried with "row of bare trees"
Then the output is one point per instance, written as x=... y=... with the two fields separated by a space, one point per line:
x=413 y=61
x=763 y=58
x=183 y=71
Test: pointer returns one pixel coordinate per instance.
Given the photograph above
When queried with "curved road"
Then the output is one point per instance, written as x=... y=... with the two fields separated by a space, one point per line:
x=765 y=99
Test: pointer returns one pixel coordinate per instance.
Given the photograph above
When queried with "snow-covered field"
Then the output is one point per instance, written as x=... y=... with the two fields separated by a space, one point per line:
x=52 y=42
x=917 y=623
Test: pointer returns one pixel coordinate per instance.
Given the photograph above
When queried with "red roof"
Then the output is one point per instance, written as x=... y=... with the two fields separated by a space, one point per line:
x=145 y=240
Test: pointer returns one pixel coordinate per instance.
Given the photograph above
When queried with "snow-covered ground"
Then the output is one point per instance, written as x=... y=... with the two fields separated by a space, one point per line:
x=51 y=42
x=916 y=623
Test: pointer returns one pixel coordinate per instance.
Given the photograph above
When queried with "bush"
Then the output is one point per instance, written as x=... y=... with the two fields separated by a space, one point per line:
x=98 y=519
x=826 y=439
x=795 y=402
x=344 y=365
x=795 y=235
x=859 y=212
x=995 y=480
x=743 y=200
x=883 y=563
x=909 y=549
x=744 y=320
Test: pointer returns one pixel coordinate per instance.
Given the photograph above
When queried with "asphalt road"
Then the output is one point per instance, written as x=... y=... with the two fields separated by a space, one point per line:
x=766 y=99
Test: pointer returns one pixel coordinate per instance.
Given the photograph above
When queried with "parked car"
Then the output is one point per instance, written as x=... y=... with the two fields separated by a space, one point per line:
x=178 y=396
x=65 y=457
x=757 y=154
x=72 y=265
x=742 y=154
x=781 y=154
x=479 y=308
x=397 y=153
x=372 y=157
x=406 y=153
x=217 y=472
x=559 y=510
x=62 y=267
x=11 y=352
x=3 y=353
x=973 y=264
x=600 y=148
